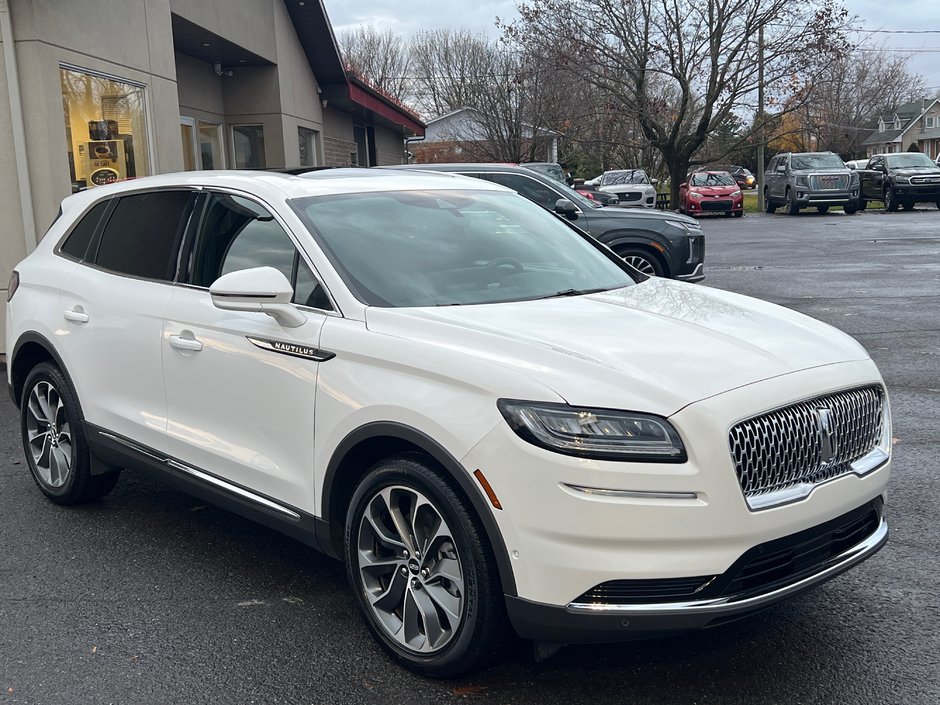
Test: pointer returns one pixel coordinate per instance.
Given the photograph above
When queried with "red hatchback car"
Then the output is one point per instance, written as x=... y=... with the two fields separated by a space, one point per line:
x=711 y=192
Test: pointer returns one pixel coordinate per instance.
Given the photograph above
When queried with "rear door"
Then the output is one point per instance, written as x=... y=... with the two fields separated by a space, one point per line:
x=112 y=312
x=241 y=388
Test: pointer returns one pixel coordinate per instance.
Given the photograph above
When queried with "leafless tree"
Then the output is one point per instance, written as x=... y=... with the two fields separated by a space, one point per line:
x=381 y=57
x=681 y=68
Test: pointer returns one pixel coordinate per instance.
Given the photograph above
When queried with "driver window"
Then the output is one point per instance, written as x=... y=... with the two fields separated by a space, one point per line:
x=530 y=188
x=238 y=233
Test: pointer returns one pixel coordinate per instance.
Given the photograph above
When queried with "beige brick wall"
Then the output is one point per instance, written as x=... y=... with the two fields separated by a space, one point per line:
x=337 y=152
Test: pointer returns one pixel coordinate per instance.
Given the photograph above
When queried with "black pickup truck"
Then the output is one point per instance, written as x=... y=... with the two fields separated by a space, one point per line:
x=900 y=179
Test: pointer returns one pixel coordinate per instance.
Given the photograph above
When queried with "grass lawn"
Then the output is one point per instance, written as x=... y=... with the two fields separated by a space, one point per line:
x=750 y=201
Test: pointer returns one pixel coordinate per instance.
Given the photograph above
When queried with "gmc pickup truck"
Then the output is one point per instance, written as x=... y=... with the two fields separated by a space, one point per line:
x=900 y=179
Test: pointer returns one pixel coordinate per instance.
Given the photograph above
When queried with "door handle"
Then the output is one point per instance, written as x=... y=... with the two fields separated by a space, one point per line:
x=76 y=315
x=185 y=342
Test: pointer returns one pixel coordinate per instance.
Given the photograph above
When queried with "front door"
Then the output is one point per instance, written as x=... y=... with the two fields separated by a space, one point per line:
x=241 y=389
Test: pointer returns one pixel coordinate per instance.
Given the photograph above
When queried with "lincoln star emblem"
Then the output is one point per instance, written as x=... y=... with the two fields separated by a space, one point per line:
x=828 y=442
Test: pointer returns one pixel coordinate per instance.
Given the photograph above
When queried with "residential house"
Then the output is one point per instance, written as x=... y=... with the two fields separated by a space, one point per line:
x=916 y=123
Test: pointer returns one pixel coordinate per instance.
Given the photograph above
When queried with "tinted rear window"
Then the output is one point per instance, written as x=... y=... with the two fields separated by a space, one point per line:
x=142 y=236
x=77 y=242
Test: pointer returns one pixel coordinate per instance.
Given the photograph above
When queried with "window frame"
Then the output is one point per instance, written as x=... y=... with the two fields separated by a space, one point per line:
x=187 y=249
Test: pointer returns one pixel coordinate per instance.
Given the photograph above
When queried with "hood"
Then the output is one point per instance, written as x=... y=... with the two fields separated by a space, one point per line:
x=916 y=171
x=714 y=190
x=647 y=214
x=655 y=347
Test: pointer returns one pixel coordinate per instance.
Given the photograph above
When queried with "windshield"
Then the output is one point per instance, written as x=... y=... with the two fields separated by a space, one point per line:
x=630 y=176
x=816 y=161
x=439 y=248
x=908 y=159
x=712 y=179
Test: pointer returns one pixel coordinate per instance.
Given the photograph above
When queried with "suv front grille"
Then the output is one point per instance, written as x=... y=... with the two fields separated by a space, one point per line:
x=799 y=445
x=829 y=182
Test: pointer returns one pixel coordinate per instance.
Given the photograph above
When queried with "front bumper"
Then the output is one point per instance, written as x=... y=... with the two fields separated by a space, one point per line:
x=696 y=275
x=572 y=524
x=917 y=192
x=806 y=198
x=586 y=622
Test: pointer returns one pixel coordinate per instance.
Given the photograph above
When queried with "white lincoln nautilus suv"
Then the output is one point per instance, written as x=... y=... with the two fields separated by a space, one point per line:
x=485 y=413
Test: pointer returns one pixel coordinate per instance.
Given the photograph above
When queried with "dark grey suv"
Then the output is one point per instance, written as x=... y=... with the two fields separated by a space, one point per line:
x=810 y=180
x=655 y=242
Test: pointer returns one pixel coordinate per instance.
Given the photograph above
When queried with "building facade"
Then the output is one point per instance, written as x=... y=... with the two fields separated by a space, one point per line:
x=93 y=91
x=914 y=124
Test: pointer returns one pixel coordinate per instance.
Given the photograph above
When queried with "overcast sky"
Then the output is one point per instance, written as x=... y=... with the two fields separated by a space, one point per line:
x=479 y=15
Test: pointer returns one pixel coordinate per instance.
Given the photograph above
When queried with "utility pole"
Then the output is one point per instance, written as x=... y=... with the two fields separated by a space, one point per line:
x=760 y=117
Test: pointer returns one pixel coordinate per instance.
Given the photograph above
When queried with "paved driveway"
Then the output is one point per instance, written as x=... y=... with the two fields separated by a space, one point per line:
x=153 y=597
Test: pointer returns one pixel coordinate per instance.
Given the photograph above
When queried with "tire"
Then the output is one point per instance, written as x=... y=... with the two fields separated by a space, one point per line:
x=938 y=205
x=822 y=209
x=863 y=204
x=53 y=433
x=645 y=261
x=792 y=207
x=891 y=201
x=850 y=208
x=462 y=597
x=769 y=206
x=738 y=214
x=907 y=205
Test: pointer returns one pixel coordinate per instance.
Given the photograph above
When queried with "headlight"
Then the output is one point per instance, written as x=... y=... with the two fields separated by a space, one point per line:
x=902 y=179
x=594 y=433
x=695 y=194
x=685 y=227
x=735 y=194
x=801 y=181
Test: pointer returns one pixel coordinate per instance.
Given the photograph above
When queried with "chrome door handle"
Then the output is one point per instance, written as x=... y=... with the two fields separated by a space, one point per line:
x=75 y=315
x=185 y=343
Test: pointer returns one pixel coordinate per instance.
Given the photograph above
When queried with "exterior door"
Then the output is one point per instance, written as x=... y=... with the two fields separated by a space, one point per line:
x=112 y=313
x=241 y=402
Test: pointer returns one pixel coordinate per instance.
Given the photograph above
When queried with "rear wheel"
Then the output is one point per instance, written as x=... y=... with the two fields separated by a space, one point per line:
x=863 y=204
x=850 y=207
x=644 y=261
x=891 y=201
x=54 y=440
x=422 y=571
x=793 y=207
x=907 y=205
x=822 y=209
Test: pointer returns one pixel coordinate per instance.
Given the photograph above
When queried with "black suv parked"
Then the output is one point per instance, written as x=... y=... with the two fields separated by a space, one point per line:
x=655 y=242
x=900 y=179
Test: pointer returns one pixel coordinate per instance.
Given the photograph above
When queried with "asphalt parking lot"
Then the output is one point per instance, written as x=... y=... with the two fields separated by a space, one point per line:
x=152 y=597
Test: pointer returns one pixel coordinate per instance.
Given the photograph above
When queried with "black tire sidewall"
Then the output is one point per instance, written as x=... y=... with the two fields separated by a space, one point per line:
x=72 y=490
x=413 y=474
x=649 y=257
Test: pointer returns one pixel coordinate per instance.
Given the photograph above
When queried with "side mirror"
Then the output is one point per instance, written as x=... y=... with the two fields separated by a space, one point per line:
x=566 y=208
x=782 y=169
x=654 y=181
x=260 y=290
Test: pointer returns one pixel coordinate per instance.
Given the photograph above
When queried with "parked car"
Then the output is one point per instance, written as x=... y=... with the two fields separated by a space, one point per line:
x=591 y=192
x=900 y=179
x=711 y=192
x=631 y=186
x=552 y=169
x=744 y=178
x=810 y=179
x=655 y=242
x=486 y=414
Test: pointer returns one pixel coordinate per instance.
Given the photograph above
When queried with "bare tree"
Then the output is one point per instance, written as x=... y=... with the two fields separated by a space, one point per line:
x=381 y=57
x=681 y=68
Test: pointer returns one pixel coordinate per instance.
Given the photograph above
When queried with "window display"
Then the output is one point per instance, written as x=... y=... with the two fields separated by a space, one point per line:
x=105 y=128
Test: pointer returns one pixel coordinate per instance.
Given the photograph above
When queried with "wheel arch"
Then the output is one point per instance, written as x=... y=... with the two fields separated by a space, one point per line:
x=31 y=349
x=368 y=444
x=644 y=243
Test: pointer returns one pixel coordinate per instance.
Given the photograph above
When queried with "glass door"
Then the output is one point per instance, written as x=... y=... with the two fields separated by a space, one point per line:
x=188 y=138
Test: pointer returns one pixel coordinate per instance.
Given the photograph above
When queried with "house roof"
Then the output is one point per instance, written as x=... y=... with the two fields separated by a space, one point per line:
x=907 y=114
x=468 y=109
x=883 y=137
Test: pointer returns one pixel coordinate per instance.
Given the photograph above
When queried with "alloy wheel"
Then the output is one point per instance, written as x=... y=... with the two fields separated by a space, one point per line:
x=49 y=434
x=642 y=263
x=410 y=569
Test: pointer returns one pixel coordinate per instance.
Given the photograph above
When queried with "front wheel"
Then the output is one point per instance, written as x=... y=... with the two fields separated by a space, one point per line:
x=822 y=209
x=738 y=214
x=850 y=207
x=54 y=440
x=422 y=570
x=907 y=205
x=647 y=263
x=769 y=206
x=793 y=208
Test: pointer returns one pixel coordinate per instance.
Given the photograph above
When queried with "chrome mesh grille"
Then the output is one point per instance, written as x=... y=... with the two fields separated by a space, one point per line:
x=829 y=182
x=783 y=448
x=925 y=179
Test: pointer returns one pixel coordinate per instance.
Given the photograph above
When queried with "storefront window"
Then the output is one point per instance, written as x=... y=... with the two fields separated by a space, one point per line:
x=105 y=128
x=248 y=146
x=308 y=146
x=210 y=145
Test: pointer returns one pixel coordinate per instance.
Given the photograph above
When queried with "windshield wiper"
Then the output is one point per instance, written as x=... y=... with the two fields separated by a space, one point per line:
x=572 y=292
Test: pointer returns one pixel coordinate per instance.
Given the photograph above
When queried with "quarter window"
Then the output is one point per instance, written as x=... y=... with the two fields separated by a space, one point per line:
x=143 y=234
x=77 y=242
x=238 y=234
